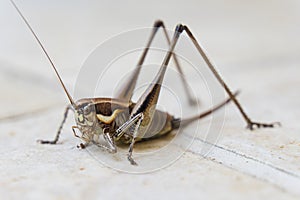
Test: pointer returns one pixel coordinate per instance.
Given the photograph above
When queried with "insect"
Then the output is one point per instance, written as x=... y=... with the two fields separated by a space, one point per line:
x=121 y=120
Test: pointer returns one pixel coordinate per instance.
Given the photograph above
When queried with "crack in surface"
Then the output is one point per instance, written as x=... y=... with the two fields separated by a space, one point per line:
x=285 y=184
x=247 y=157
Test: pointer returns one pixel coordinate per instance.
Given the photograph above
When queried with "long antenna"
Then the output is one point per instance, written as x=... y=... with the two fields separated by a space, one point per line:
x=44 y=50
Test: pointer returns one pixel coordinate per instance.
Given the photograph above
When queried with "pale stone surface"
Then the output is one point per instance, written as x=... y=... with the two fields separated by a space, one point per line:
x=256 y=48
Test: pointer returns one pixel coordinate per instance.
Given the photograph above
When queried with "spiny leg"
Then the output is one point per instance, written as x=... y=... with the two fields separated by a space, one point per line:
x=59 y=129
x=126 y=126
x=126 y=92
x=130 y=128
x=250 y=123
x=134 y=132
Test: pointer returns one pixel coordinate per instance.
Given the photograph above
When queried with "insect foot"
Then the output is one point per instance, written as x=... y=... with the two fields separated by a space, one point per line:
x=81 y=146
x=46 y=142
x=131 y=160
x=253 y=125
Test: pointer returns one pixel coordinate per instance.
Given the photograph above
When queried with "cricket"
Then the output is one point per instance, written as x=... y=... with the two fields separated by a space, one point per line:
x=119 y=119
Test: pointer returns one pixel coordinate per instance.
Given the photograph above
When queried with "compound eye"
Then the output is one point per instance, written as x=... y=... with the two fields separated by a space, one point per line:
x=87 y=110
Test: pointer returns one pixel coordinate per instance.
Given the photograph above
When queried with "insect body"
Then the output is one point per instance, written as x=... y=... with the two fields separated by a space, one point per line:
x=121 y=120
x=107 y=115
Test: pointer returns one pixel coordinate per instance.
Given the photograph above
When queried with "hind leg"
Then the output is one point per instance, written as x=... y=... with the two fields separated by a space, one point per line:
x=126 y=92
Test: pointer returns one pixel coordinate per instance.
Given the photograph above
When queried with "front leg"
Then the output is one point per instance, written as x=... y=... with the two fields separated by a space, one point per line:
x=111 y=147
x=81 y=145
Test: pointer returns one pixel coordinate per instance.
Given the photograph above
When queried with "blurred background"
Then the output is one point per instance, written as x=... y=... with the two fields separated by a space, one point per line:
x=255 y=45
x=238 y=35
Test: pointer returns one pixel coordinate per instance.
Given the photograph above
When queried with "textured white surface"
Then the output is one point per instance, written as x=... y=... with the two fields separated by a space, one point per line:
x=256 y=47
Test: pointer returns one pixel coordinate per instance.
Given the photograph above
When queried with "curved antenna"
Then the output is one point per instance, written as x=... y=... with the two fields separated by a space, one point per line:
x=44 y=50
